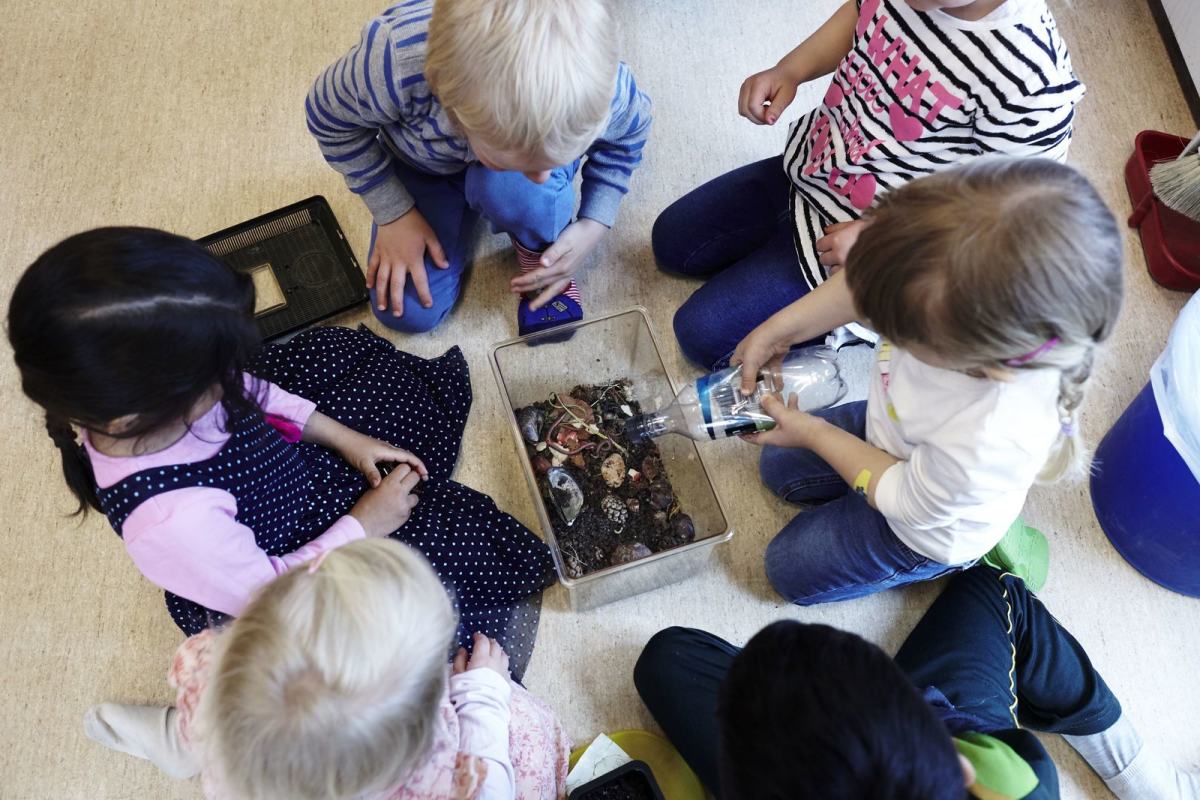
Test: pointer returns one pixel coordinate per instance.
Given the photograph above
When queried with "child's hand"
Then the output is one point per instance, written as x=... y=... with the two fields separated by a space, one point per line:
x=487 y=654
x=399 y=252
x=388 y=506
x=774 y=85
x=760 y=347
x=560 y=261
x=793 y=427
x=364 y=454
x=835 y=245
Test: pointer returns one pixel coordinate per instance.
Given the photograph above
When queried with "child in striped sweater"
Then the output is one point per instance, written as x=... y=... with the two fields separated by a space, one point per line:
x=918 y=86
x=450 y=110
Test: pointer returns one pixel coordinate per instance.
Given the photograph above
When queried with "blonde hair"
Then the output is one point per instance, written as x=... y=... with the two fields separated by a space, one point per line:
x=999 y=264
x=328 y=685
x=531 y=77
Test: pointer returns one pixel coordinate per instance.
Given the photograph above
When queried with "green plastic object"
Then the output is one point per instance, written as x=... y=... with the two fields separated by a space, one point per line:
x=1024 y=552
x=675 y=778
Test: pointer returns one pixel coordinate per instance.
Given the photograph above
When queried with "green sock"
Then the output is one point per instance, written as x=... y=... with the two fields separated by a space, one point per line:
x=1024 y=552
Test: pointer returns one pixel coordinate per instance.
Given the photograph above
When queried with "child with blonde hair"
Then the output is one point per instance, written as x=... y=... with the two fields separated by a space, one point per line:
x=993 y=285
x=335 y=683
x=450 y=110
x=917 y=86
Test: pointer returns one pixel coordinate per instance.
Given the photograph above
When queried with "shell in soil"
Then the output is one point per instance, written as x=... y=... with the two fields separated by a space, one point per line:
x=578 y=432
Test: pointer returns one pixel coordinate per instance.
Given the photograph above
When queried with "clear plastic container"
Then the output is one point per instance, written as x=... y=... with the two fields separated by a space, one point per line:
x=620 y=345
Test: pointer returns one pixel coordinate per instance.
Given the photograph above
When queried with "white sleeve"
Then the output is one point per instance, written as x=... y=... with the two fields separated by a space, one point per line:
x=481 y=698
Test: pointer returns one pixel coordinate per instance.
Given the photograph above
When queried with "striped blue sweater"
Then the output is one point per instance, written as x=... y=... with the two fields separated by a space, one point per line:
x=373 y=105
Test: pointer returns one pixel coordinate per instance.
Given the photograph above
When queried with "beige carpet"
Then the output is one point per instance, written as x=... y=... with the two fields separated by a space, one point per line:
x=189 y=117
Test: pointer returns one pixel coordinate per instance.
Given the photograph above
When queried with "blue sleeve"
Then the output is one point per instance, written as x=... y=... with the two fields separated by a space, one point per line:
x=613 y=157
x=349 y=102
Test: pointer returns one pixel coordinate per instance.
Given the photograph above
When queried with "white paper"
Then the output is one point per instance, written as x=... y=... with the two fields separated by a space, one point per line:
x=601 y=757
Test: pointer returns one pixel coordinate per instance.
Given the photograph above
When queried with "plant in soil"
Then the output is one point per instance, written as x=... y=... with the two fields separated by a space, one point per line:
x=629 y=786
x=610 y=499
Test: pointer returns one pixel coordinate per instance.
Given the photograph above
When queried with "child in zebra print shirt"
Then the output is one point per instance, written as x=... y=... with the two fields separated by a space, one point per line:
x=918 y=86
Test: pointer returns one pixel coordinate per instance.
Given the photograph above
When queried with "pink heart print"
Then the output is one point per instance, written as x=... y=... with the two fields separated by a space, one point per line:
x=862 y=193
x=905 y=127
x=834 y=95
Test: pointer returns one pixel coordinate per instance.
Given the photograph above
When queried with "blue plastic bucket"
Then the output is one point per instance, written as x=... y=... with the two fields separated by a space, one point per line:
x=1147 y=500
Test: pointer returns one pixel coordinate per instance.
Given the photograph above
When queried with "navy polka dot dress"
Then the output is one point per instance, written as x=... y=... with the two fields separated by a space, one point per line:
x=288 y=494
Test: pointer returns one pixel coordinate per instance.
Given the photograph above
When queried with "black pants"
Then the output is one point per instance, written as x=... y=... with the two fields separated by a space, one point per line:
x=1035 y=675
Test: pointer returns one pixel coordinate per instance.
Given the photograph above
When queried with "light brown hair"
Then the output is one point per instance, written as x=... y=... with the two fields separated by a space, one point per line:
x=328 y=685
x=985 y=263
x=530 y=77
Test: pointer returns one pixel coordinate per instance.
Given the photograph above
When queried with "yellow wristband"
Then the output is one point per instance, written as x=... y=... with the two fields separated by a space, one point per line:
x=862 y=482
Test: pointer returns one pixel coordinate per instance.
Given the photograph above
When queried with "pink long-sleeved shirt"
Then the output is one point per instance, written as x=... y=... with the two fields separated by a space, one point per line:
x=188 y=541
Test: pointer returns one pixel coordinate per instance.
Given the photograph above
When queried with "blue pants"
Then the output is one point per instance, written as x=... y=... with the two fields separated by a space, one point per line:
x=843 y=548
x=737 y=233
x=965 y=649
x=535 y=214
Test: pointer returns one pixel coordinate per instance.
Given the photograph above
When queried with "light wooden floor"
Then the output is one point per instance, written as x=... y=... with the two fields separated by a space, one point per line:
x=189 y=117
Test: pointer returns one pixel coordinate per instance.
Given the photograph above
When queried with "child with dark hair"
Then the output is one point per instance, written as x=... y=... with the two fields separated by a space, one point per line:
x=808 y=711
x=218 y=480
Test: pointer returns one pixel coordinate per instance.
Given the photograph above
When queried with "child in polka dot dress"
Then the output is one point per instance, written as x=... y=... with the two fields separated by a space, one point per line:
x=334 y=682
x=222 y=465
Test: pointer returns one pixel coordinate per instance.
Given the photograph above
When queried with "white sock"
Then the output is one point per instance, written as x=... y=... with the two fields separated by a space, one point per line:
x=149 y=732
x=1131 y=770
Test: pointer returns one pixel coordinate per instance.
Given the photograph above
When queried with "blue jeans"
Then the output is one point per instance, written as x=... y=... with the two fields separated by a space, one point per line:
x=736 y=232
x=534 y=214
x=841 y=549
x=987 y=654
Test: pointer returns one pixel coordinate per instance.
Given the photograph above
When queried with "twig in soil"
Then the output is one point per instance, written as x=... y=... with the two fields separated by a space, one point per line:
x=590 y=427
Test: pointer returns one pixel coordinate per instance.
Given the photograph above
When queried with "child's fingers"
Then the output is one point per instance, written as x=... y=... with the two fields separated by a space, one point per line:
x=773 y=407
x=552 y=291
x=402 y=456
x=396 y=289
x=371 y=473
x=382 y=283
x=460 y=661
x=437 y=253
x=421 y=284
x=409 y=482
x=373 y=266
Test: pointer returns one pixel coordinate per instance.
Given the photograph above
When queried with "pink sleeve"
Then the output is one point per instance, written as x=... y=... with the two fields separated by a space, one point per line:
x=189 y=542
x=280 y=403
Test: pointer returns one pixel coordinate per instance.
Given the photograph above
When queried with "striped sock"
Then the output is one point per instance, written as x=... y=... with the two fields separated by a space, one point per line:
x=529 y=260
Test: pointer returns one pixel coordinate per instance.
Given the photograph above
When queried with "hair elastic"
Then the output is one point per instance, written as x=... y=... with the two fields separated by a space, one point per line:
x=1068 y=428
x=1041 y=350
x=316 y=563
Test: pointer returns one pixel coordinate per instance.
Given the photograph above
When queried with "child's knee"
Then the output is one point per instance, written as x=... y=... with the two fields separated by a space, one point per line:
x=789 y=574
x=514 y=204
x=659 y=660
x=695 y=334
x=772 y=469
x=415 y=319
x=665 y=237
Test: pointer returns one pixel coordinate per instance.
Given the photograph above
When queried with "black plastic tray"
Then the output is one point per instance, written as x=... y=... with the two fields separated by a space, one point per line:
x=640 y=768
x=307 y=252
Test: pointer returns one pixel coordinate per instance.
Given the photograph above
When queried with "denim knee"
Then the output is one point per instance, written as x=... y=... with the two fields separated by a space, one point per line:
x=672 y=240
x=416 y=318
x=697 y=339
x=771 y=463
x=533 y=213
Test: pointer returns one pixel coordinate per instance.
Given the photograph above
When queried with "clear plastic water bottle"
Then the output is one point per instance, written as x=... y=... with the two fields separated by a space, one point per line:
x=713 y=407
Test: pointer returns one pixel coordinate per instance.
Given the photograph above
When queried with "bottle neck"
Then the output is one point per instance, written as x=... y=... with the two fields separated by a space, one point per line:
x=649 y=426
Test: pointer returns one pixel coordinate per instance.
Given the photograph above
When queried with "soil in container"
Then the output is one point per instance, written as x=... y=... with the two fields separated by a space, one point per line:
x=630 y=785
x=610 y=499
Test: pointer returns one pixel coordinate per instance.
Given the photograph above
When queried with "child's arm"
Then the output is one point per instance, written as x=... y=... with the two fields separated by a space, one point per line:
x=860 y=464
x=480 y=690
x=817 y=55
x=359 y=450
x=828 y=306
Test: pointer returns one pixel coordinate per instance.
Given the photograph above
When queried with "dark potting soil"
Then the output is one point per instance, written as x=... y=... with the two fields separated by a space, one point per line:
x=630 y=786
x=577 y=442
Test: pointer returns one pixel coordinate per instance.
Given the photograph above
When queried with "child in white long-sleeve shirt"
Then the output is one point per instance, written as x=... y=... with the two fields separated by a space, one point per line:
x=993 y=285
x=334 y=682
